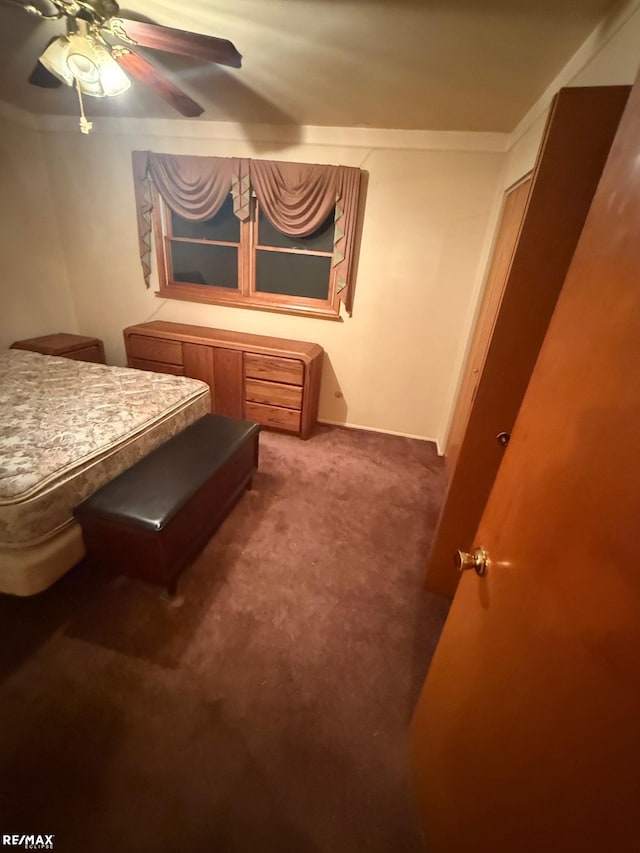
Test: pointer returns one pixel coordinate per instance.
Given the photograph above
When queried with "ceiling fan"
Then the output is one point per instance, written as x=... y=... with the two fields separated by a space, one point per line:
x=86 y=59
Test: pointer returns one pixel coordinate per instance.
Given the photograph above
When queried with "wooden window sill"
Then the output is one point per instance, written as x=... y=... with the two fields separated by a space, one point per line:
x=282 y=306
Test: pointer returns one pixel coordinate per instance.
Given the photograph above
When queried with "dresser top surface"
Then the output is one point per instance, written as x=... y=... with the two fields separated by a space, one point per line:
x=57 y=342
x=222 y=337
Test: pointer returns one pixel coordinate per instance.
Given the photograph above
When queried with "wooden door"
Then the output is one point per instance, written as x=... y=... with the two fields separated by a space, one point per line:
x=513 y=207
x=578 y=137
x=526 y=737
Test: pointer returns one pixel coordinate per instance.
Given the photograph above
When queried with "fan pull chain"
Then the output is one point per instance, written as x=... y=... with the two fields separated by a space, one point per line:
x=85 y=124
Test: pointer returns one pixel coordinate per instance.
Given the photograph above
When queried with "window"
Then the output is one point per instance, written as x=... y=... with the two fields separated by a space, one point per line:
x=205 y=253
x=293 y=267
x=237 y=256
x=251 y=264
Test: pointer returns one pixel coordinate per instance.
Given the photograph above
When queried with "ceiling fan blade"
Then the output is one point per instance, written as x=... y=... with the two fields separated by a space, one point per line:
x=170 y=40
x=43 y=78
x=144 y=71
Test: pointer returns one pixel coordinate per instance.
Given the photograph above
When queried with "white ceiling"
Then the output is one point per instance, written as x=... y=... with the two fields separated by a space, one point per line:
x=421 y=64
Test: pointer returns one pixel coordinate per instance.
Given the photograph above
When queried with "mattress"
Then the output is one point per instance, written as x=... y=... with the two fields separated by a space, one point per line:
x=68 y=427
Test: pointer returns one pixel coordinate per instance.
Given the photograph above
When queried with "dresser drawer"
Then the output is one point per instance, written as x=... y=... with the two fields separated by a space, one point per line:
x=154 y=349
x=156 y=366
x=273 y=393
x=272 y=416
x=273 y=368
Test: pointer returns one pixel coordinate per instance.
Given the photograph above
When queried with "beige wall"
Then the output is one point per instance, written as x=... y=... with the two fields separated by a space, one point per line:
x=33 y=282
x=425 y=223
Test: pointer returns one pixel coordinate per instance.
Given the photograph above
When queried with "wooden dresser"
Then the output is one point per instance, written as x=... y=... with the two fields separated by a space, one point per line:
x=273 y=381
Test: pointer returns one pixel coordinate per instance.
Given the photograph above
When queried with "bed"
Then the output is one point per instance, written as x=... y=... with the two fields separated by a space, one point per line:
x=66 y=428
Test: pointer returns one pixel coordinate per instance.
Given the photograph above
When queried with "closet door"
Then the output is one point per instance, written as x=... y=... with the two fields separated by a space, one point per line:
x=513 y=209
x=579 y=132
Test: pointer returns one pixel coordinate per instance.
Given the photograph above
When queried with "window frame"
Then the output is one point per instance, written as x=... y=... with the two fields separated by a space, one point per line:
x=246 y=295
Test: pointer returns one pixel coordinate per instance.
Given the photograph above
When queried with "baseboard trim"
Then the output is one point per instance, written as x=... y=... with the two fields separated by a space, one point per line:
x=384 y=432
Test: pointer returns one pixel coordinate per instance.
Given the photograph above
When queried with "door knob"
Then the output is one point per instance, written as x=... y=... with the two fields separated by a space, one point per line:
x=478 y=560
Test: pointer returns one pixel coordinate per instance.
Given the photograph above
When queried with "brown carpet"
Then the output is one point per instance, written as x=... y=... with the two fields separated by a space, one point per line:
x=266 y=708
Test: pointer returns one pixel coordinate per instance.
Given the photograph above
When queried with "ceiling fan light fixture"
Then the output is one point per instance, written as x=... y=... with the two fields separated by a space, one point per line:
x=86 y=60
x=79 y=60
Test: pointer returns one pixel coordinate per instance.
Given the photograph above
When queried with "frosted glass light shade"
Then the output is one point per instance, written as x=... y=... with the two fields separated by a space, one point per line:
x=54 y=60
x=81 y=58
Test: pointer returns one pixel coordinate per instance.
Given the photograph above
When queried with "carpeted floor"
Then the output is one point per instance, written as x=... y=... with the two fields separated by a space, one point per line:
x=266 y=707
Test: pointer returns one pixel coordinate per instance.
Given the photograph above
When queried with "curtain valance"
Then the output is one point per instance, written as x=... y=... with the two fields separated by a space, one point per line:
x=196 y=187
x=295 y=197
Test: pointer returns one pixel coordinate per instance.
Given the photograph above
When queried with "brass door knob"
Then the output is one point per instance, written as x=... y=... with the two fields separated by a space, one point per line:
x=478 y=560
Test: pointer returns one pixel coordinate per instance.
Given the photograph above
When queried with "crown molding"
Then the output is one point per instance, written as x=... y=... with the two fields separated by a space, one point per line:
x=343 y=137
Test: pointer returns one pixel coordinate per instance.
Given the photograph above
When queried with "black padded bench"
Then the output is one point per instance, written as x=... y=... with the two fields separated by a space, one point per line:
x=152 y=520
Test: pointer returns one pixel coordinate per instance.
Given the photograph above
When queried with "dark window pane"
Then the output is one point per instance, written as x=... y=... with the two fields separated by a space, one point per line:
x=223 y=226
x=320 y=241
x=198 y=263
x=293 y=275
